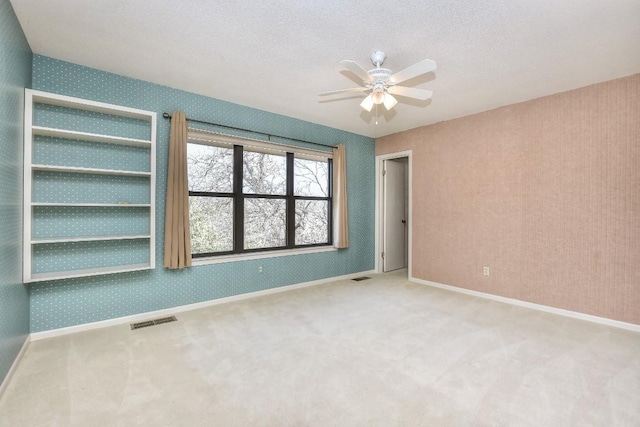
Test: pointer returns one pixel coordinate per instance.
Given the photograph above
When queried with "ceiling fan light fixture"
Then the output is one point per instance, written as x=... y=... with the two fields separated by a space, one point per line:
x=367 y=103
x=389 y=101
x=378 y=97
x=378 y=93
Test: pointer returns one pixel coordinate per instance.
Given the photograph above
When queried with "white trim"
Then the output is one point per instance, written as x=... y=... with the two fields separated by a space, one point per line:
x=26 y=185
x=533 y=306
x=14 y=366
x=35 y=336
x=260 y=255
x=152 y=191
x=379 y=207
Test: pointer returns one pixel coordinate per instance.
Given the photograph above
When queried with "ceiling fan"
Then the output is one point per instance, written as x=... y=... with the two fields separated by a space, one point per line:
x=382 y=85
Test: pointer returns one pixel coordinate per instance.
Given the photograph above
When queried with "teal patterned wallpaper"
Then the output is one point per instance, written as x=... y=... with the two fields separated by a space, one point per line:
x=49 y=187
x=83 y=255
x=69 y=221
x=15 y=75
x=56 y=304
x=56 y=151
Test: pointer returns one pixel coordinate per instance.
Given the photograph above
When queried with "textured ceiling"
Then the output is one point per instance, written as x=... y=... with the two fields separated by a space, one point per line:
x=278 y=55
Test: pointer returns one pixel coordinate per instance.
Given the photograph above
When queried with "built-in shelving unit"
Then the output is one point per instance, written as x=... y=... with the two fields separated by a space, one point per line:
x=60 y=205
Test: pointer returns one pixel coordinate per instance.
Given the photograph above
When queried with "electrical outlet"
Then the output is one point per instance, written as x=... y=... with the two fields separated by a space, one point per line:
x=260 y=269
x=485 y=270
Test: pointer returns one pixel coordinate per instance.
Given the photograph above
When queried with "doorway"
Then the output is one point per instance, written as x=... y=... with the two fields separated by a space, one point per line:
x=393 y=213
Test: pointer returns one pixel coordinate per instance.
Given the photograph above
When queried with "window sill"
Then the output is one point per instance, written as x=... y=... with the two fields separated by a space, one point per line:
x=260 y=255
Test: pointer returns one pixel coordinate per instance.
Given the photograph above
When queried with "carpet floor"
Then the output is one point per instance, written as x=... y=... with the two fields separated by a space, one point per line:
x=380 y=352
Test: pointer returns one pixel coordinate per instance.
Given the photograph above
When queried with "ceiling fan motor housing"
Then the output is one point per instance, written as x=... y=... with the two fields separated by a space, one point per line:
x=380 y=74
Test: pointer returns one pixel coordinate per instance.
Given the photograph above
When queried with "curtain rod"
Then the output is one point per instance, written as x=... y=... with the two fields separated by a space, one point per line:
x=168 y=116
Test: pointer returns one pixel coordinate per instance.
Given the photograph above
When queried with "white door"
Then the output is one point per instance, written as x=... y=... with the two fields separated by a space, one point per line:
x=394 y=234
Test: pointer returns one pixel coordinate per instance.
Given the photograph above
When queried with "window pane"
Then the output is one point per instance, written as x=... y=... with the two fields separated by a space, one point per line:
x=264 y=223
x=310 y=178
x=210 y=168
x=211 y=223
x=264 y=173
x=312 y=222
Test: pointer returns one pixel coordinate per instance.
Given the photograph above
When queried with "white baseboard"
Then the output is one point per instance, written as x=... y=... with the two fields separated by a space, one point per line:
x=14 y=366
x=539 y=307
x=170 y=311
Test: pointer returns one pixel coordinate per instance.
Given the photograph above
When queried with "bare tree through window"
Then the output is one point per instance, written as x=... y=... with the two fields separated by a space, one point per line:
x=264 y=199
x=311 y=178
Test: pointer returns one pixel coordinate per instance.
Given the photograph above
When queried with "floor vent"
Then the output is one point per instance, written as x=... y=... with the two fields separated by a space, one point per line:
x=360 y=279
x=153 y=322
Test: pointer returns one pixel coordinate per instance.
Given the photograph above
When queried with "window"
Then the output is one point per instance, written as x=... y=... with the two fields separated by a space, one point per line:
x=256 y=196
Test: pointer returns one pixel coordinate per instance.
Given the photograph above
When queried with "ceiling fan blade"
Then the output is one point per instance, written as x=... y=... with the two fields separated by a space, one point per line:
x=415 y=70
x=410 y=92
x=357 y=70
x=353 y=89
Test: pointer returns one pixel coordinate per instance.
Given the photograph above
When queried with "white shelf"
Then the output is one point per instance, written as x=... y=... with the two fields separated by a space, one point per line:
x=95 y=171
x=56 y=275
x=89 y=238
x=94 y=205
x=84 y=136
x=40 y=97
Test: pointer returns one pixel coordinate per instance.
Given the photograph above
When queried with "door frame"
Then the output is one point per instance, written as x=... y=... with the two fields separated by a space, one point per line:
x=379 y=207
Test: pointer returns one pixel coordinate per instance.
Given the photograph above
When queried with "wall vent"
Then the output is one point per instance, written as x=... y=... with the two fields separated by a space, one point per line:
x=360 y=279
x=154 y=322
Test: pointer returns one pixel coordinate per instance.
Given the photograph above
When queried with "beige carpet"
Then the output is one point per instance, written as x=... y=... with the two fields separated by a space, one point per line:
x=382 y=352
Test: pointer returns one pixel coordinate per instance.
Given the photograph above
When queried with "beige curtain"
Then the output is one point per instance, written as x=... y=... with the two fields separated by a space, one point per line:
x=177 y=241
x=340 y=220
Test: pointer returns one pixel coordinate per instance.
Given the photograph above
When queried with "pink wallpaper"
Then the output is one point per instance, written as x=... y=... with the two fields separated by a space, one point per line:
x=546 y=193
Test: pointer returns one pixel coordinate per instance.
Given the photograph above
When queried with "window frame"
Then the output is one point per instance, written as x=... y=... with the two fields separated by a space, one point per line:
x=238 y=197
